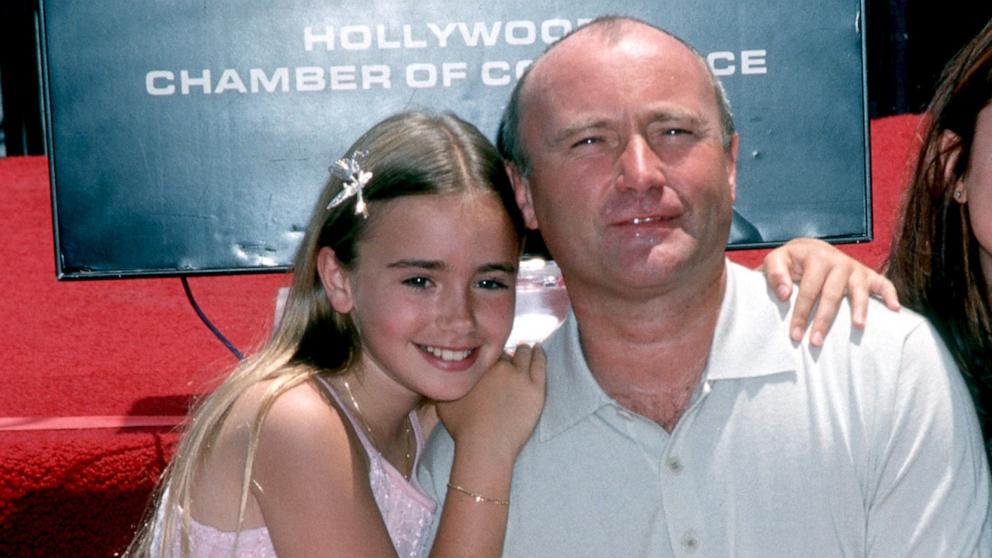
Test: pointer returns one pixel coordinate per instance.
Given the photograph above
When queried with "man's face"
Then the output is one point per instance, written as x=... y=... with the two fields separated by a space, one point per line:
x=630 y=183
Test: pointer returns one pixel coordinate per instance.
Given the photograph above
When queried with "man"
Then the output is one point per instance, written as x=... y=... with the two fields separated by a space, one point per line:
x=680 y=419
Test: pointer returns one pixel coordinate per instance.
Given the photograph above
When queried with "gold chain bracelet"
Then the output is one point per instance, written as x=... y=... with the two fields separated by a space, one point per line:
x=479 y=497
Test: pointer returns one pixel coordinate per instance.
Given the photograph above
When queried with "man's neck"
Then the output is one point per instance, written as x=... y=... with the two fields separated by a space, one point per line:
x=649 y=354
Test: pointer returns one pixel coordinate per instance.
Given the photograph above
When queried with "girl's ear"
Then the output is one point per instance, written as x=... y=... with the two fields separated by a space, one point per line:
x=334 y=278
x=950 y=144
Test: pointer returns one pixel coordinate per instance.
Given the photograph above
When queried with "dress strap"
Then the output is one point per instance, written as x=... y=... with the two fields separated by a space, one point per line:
x=370 y=449
x=418 y=435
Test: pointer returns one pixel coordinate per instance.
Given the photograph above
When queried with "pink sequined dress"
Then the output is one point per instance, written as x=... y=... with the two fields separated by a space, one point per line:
x=406 y=509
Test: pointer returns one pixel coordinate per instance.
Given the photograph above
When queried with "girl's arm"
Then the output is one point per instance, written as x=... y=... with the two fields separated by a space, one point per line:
x=489 y=425
x=312 y=483
x=826 y=273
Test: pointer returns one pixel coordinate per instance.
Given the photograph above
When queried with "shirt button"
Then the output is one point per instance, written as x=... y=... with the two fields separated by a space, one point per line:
x=690 y=542
x=674 y=465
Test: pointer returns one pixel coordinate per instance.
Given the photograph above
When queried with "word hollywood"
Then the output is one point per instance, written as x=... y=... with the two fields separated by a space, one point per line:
x=434 y=35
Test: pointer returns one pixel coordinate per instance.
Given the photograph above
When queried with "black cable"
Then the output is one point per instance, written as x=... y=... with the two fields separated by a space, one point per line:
x=203 y=317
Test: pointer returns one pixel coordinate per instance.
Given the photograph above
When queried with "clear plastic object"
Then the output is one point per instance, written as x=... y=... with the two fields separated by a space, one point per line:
x=542 y=302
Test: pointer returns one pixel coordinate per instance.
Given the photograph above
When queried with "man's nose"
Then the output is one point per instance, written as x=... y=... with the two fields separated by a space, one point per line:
x=640 y=167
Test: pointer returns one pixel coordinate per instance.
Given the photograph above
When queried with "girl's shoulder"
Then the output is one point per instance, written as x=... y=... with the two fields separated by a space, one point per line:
x=302 y=413
x=299 y=420
x=300 y=423
x=303 y=441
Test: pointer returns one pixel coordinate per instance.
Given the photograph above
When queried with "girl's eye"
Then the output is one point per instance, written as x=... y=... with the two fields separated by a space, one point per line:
x=492 y=284
x=417 y=282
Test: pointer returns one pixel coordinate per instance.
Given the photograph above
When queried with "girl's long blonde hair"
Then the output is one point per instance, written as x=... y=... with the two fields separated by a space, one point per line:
x=411 y=153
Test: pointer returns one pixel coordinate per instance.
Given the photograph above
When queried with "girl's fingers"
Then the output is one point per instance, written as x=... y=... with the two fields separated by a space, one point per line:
x=858 y=294
x=522 y=356
x=810 y=285
x=538 y=365
x=832 y=294
x=884 y=288
x=777 y=273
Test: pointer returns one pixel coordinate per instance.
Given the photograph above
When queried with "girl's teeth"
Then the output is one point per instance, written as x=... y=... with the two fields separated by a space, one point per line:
x=446 y=354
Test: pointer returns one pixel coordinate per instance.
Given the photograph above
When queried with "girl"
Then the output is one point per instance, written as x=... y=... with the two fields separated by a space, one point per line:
x=403 y=292
x=941 y=259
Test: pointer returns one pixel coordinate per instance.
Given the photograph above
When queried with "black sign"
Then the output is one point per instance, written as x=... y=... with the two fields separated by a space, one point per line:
x=193 y=137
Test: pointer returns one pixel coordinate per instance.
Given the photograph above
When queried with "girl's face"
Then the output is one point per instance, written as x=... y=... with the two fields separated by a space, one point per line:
x=432 y=292
x=977 y=183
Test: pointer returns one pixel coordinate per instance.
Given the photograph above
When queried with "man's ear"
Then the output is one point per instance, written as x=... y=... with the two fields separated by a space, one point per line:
x=521 y=192
x=949 y=146
x=334 y=278
x=732 y=165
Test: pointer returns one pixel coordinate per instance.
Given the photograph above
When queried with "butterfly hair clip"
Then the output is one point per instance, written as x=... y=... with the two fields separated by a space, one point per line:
x=350 y=172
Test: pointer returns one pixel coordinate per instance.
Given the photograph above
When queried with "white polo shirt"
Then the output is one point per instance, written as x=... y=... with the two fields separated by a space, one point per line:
x=866 y=447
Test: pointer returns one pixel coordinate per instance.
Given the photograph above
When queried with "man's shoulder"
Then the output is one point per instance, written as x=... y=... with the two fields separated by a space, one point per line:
x=882 y=323
x=439 y=449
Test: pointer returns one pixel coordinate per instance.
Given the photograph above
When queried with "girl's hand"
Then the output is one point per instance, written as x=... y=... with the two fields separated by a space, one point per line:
x=497 y=417
x=826 y=273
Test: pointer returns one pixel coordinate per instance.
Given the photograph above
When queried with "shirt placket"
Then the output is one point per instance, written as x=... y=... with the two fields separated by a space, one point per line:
x=678 y=478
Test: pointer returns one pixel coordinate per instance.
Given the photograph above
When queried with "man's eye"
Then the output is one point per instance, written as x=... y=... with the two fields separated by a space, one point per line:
x=588 y=141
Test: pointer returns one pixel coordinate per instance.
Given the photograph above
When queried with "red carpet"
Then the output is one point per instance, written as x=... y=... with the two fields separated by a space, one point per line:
x=117 y=353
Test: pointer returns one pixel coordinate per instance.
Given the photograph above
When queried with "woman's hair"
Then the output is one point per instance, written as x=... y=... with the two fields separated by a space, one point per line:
x=408 y=154
x=934 y=261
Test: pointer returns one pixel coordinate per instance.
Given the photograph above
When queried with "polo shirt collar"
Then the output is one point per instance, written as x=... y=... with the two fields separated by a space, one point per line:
x=752 y=332
x=751 y=340
x=572 y=392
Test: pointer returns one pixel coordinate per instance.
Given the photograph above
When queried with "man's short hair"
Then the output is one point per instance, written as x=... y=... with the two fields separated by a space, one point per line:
x=509 y=140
